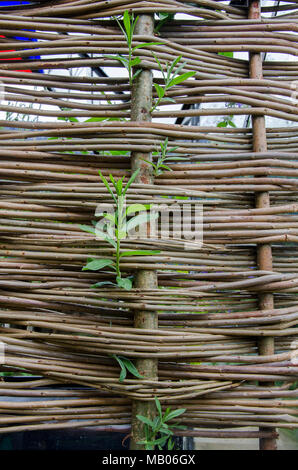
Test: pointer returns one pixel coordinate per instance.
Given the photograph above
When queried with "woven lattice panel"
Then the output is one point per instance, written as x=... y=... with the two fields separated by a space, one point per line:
x=59 y=329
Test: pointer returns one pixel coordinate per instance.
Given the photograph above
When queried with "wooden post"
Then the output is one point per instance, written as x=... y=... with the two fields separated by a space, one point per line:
x=141 y=103
x=264 y=251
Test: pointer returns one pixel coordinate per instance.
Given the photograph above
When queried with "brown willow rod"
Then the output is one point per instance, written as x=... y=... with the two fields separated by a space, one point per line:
x=264 y=251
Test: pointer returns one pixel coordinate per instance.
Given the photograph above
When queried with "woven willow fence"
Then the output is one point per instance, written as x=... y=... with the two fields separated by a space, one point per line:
x=211 y=329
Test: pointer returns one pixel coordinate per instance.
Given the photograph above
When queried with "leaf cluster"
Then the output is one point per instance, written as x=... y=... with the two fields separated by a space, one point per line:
x=126 y=366
x=160 y=166
x=129 y=61
x=159 y=431
x=171 y=78
x=117 y=227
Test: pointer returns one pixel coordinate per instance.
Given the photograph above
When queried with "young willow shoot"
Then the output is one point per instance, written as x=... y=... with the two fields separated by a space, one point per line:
x=129 y=61
x=118 y=227
x=159 y=432
x=226 y=122
x=163 y=19
x=171 y=78
x=126 y=366
x=159 y=166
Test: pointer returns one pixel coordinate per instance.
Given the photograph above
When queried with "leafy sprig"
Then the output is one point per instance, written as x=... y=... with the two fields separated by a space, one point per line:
x=117 y=222
x=159 y=166
x=128 y=28
x=158 y=431
x=126 y=366
x=163 y=19
x=227 y=121
x=171 y=78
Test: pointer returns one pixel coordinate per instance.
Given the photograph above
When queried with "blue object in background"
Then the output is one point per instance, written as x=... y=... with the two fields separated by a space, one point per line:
x=12 y=2
x=16 y=3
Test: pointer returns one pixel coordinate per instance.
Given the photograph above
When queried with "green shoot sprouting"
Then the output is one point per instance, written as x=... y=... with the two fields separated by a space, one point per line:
x=159 y=431
x=159 y=166
x=126 y=365
x=128 y=29
x=171 y=78
x=227 y=121
x=117 y=222
x=163 y=19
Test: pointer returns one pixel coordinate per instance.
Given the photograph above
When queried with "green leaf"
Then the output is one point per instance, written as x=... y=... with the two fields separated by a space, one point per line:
x=167 y=431
x=123 y=60
x=68 y=118
x=124 y=283
x=179 y=69
x=104 y=236
x=164 y=145
x=121 y=233
x=110 y=217
x=121 y=27
x=161 y=440
x=167 y=98
x=140 y=253
x=177 y=158
x=173 y=414
x=95 y=119
x=134 y=24
x=158 y=406
x=119 y=185
x=113 y=181
x=173 y=65
x=164 y=18
x=150 y=163
x=171 y=444
x=110 y=232
x=130 y=181
x=178 y=426
x=181 y=78
x=166 y=167
x=145 y=44
x=136 y=74
x=87 y=228
x=123 y=368
x=97 y=264
x=126 y=22
x=149 y=444
x=159 y=65
x=105 y=182
x=160 y=90
x=157 y=424
x=103 y=283
x=145 y=420
x=227 y=54
x=131 y=368
x=222 y=124
x=135 y=61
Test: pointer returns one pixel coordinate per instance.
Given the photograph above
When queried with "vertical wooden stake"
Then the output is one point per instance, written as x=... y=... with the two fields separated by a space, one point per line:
x=141 y=103
x=264 y=251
